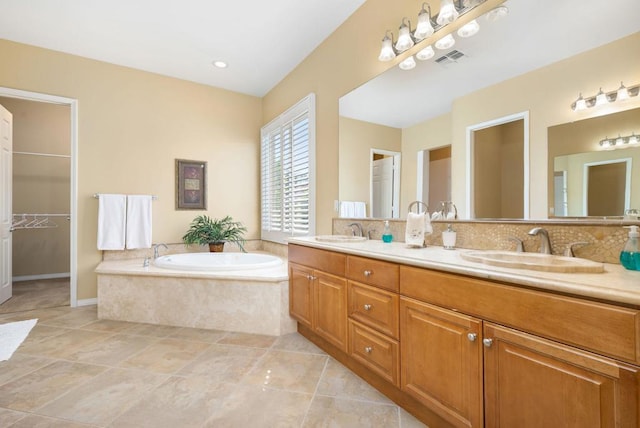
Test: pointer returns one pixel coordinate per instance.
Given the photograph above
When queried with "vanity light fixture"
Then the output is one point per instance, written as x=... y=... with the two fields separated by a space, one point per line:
x=387 y=53
x=620 y=142
x=405 y=41
x=408 y=63
x=448 y=12
x=604 y=98
x=469 y=29
x=425 y=54
x=446 y=42
x=633 y=139
x=424 y=28
x=497 y=13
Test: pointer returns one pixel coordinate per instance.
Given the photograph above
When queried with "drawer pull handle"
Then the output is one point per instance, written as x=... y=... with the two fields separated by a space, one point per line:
x=367 y=273
x=368 y=349
x=472 y=337
x=367 y=307
x=487 y=342
x=311 y=277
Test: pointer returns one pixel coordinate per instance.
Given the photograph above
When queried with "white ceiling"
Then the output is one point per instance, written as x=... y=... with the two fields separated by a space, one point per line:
x=534 y=34
x=262 y=41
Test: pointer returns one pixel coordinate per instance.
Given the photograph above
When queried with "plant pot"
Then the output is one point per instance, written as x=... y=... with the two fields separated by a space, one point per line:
x=216 y=247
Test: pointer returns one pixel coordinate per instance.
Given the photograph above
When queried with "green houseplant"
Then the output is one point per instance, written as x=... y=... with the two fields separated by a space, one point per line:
x=204 y=230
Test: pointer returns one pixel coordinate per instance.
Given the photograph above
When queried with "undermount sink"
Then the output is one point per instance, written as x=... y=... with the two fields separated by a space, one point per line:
x=340 y=238
x=534 y=261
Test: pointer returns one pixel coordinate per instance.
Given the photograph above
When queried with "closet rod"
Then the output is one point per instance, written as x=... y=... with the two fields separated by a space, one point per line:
x=51 y=155
x=97 y=195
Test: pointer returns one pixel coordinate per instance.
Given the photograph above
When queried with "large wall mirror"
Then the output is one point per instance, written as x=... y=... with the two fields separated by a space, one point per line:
x=421 y=114
x=589 y=174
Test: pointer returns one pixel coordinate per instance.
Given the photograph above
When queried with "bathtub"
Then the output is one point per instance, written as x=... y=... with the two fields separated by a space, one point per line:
x=250 y=296
x=218 y=261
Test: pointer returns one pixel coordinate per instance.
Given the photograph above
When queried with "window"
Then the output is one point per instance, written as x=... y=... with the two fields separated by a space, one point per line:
x=288 y=173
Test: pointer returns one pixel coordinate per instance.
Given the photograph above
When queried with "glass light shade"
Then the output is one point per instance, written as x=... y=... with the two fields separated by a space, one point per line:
x=448 y=12
x=446 y=42
x=386 y=52
x=580 y=104
x=605 y=143
x=497 y=13
x=425 y=53
x=619 y=141
x=623 y=93
x=424 y=28
x=601 y=98
x=404 y=39
x=633 y=139
x=469 y=29
x=408 y=63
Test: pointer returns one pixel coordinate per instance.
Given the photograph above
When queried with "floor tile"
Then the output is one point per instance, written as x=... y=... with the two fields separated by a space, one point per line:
x=8 y=417
x=112 y=350
x=63 y=345
x=73 y=319
x=104 y=397
x=178 y=402
x=338 y=412
x=34 y=294
x=35 y=421
x=222 y=363
x=40 y=314
x=109 y=326
x=295 y=342
x=41 y=332
x=153 y=330
x=166 y=355
x=338 y=381
x=257 y=407
x=199 y=335
x=20 y=365
x=45 y=384
x=291 y=371
x=246 y=339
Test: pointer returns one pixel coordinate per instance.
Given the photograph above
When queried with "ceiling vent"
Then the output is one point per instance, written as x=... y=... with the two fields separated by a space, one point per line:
x=452 y=57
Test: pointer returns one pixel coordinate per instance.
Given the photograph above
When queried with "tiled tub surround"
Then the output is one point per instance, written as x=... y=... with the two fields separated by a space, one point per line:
x=605 y=239
x=250 y=301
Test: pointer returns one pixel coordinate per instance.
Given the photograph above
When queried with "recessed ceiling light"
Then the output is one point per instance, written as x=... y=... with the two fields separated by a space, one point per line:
x=220 y=64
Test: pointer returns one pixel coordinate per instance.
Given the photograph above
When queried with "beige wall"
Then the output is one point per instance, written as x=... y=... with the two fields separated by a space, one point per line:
x=357 y=138
x=132 y=126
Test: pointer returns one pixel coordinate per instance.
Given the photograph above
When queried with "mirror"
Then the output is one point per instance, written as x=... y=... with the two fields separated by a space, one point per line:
x=430 y=107
x=587 y=179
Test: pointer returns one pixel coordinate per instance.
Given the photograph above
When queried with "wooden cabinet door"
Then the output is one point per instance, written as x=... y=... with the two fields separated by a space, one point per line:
x=441 y=361
x=301 y=294
x=330 y=308
x=533 y=382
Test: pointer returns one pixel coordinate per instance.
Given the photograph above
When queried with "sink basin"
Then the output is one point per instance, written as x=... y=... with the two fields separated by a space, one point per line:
x=340 y=238
x=534 y=261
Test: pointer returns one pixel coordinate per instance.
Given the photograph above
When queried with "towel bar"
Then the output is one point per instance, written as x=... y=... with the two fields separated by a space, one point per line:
x=97 y=195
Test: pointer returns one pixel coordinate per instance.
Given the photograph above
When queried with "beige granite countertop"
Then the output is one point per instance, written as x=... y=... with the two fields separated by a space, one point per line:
x=615 y=284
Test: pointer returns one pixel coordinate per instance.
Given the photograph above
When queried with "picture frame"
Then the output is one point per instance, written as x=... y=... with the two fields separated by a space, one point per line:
x=191 y=185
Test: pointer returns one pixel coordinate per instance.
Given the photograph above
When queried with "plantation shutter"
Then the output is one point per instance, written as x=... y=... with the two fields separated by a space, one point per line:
x=287 y=173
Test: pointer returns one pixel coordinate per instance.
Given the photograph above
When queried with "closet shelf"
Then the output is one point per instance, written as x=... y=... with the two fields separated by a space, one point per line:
x=51 y=155
x=35 y=221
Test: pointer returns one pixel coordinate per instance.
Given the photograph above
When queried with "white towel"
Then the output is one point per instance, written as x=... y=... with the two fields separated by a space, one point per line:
x=353 y=209
x=414 y=233
x=111 y=221
x=359 y=210
x=139 y=221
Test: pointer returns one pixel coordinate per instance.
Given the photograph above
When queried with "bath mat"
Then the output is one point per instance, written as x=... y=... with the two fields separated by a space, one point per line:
x=12 y=335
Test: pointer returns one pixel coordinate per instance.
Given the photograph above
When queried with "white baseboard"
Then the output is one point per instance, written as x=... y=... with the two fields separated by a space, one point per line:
x=87 y=302
x=42 y=276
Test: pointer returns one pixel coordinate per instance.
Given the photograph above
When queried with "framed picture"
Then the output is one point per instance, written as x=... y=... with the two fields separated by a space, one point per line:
x=191 y=185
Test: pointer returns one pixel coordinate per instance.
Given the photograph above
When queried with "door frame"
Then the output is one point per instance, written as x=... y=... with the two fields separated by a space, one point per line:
x=395 y=211
x=73 y=105
x=585 y=182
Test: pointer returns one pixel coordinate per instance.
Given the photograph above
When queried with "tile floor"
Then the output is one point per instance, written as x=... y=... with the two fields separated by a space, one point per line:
x=37 y=294
x=77 y=371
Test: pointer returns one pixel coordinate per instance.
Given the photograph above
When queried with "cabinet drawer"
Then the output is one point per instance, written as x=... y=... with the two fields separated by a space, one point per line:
x=374 y=350
x=323 y=260
x=373 y=272
x=374 y=307
x=603 y=328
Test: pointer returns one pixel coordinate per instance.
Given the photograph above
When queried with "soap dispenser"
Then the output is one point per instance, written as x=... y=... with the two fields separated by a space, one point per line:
x=449 y=238
x=386 y=234
x=630 y=255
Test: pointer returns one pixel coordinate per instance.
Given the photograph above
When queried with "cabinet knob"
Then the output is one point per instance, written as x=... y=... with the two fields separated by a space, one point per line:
x=311 y=277
x=368 y=349
x=487 y=342
x=472 y=337
x=367 y=273
x=367 y=307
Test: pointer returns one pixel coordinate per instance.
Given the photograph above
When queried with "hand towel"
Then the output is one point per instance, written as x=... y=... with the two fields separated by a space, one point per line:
x=139 y=221
x=347 y=209
x=111 y=221
x=360 y=210
x=414 y=233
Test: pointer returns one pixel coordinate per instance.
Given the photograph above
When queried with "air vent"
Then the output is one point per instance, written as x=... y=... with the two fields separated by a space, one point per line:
x=450 y=57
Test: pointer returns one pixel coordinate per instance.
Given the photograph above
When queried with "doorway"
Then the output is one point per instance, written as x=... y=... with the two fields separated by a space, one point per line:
x=434 y=176
x=44 y=247
x=607 y=187
x=385 y=184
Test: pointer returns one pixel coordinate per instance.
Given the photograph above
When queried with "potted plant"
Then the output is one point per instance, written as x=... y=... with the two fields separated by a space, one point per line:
x=214 y=232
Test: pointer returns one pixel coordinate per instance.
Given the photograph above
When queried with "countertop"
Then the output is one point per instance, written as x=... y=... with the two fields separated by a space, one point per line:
x=615 y=284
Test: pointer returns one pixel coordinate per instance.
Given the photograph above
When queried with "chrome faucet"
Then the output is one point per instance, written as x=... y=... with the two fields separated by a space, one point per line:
x=545 y=244
x=356 y=229
x=156 y=250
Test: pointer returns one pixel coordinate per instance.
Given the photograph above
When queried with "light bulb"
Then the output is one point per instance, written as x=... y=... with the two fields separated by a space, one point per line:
x=386 y=52
x=425 y=53
x=469 y=29
x=424 y=28
x=446 y=42
x=408 y=63
x=448 y=12
x=623 y=93
x=601 y=98
x=404 y=38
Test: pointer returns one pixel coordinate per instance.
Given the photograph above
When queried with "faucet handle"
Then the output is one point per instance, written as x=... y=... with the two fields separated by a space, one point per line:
x=519 y=244
x=568 y=252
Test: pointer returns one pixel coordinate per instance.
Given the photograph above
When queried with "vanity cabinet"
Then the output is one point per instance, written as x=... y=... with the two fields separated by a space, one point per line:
x=318 y=292
x=462 y=351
